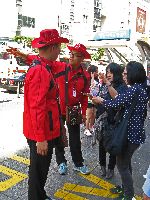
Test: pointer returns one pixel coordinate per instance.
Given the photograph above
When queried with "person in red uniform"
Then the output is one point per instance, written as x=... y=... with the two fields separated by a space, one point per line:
x=41 y=117
x=76 y=88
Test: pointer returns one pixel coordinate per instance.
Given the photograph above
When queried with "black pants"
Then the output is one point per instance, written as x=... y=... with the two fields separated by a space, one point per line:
x=38 y=169
x=102 y=157
x=75 y=146
x=125 y=169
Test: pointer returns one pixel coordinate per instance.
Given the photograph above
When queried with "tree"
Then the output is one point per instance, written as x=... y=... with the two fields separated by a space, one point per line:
x=97 y=56
x=26 y=41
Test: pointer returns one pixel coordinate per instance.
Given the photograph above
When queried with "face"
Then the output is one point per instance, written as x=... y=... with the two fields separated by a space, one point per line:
x=109 y=75
x=125 y=75
x=96 y=74
x=54 y=51
x=75 y=58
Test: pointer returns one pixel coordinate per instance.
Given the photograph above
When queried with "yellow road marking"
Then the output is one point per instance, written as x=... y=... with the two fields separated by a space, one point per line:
x=89 y=190
x=21 y=159
x=68 y=196
x=15 y=177
x=98 y=181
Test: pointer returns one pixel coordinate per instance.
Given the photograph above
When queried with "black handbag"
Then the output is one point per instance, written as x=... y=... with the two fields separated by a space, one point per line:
x=115 y=136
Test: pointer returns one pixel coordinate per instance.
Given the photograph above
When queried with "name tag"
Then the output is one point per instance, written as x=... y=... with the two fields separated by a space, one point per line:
x=74 y=93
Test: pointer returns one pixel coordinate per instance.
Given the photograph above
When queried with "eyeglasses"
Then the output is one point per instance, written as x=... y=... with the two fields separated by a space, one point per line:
x=75 y=55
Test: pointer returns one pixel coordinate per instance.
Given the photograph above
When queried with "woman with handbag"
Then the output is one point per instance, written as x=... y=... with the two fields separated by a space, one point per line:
x=136 y=76
x=115 y=85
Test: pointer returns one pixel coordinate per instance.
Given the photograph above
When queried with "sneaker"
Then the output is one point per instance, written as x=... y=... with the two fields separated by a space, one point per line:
x=87 y=132
x=117 y=190
x=83 y=170
x=62 y=169
x=110 y=173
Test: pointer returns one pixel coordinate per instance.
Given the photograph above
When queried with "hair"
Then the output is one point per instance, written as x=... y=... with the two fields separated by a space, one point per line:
x=92 y=68
x=116 y=70
x=135 y=73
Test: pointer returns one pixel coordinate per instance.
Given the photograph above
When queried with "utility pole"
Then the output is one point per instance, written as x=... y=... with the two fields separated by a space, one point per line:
x=19 y=10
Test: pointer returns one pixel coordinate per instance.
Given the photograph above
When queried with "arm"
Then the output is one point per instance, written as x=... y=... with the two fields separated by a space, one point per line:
x=113 y=93
x=120 y=101
x=84 y=98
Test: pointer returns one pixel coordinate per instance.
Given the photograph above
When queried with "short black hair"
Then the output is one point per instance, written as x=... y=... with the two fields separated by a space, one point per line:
x=92 y=68
x=135 y=73
x=116 y=70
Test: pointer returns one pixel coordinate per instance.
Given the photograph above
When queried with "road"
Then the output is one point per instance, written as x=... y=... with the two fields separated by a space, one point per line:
x=11 y=109
x=14 y=161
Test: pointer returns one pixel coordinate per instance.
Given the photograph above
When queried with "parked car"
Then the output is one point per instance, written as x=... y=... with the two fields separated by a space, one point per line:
x=11 y=84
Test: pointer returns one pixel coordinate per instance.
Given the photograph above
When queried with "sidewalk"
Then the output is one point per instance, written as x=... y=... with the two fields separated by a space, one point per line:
x=73 y=186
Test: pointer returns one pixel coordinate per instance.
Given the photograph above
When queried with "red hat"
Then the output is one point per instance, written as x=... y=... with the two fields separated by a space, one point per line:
x=47 y=37
x=80 y=48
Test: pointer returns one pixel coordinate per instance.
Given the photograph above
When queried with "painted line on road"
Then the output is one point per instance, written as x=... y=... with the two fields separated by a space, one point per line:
x=15 y=177
x=20 y=159
x=104 y=191
x=67 y=192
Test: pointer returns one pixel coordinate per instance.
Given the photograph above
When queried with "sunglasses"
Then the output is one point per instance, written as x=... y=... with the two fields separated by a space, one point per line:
x=75 y=55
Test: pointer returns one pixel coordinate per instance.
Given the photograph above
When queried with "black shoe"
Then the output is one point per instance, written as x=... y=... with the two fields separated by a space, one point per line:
x=117 y=190
x=103 y=170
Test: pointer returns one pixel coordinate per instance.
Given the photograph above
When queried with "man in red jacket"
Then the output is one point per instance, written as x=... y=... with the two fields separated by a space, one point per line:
x=41 y=119
x=78 y=84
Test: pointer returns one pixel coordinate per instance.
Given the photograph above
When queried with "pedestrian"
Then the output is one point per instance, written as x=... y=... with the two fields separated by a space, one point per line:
x=115 y=85
x=41 y=117
x=146 y=186
x=78 y=84
x=91 y=109
x=136 y=76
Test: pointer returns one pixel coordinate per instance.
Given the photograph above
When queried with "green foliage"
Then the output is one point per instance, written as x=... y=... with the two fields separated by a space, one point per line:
x=97 y=56
x=26 y=41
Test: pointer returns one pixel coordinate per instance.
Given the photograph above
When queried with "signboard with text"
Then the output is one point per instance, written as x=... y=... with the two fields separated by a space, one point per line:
x=113 y=35
x=140 y=20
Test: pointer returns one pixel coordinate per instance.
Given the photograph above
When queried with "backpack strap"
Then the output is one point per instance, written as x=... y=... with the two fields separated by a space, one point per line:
x=67 y=69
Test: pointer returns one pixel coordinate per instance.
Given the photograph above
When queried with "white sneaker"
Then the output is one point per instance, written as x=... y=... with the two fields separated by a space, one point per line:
x=87 y=132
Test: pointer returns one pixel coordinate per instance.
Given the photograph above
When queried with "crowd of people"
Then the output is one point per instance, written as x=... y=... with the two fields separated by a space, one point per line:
x=56 y=93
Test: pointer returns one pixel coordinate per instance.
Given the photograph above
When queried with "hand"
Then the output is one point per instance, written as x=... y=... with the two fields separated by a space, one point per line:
x=16 y=53
x=42 y=148
x=84 y=118
x=104 y=79
x=97 y=100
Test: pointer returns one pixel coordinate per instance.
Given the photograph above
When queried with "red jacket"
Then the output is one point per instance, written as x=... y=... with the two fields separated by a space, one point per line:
x=80 y=86
x=41 y=112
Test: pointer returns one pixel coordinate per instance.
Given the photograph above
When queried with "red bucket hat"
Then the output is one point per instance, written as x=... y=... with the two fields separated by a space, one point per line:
x=47 y=37
x=80 y=48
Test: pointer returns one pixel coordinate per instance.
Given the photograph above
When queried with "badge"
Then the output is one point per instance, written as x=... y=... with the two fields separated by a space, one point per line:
x=74 y=93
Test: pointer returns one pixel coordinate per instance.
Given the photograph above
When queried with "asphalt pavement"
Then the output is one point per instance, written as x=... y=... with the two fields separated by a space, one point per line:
x=14 y=162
